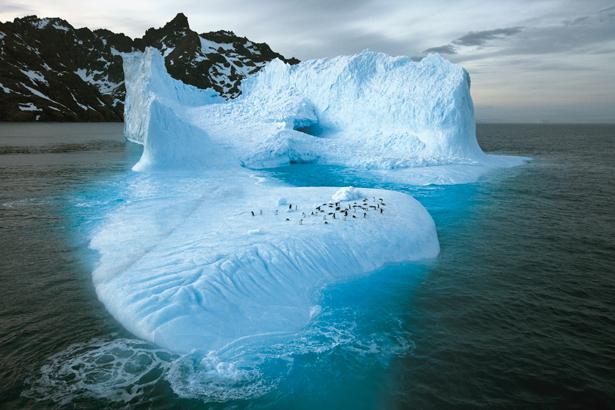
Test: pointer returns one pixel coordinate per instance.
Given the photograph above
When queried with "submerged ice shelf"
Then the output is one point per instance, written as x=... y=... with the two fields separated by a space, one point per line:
x=205 y=252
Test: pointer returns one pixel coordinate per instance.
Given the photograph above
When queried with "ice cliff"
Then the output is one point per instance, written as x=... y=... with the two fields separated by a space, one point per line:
x=368 y=111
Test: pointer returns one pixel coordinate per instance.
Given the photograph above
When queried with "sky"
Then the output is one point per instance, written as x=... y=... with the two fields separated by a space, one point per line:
x=530 y=61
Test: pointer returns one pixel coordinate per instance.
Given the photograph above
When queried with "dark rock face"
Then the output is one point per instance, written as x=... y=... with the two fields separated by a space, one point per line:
x=50 y=71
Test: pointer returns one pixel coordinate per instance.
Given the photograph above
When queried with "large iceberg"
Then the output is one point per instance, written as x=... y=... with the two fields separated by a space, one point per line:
x=367 y=111
x=206 y=250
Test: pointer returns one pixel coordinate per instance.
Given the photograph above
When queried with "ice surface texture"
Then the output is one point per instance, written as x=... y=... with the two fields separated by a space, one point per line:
x=200 y=273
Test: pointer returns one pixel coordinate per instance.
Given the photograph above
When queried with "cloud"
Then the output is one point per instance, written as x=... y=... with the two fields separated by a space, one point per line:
x=445 y=49
x=475 y=38
x=594 y=34
x=13 y=8
x=480 y=38
x=607 y=9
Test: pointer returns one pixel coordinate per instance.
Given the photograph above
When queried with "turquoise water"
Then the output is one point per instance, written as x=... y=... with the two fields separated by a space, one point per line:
x=517 y=311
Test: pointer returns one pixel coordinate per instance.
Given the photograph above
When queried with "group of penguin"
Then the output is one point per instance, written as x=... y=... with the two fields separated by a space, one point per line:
x=337 y=210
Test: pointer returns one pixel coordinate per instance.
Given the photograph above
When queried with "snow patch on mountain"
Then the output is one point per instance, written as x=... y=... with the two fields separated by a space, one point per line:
x=99 y=79
x=28 y=107
x=35 y=76
x=208 y=46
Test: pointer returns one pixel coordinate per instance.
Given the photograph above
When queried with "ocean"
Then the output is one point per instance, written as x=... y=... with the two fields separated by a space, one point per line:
x=517 y=311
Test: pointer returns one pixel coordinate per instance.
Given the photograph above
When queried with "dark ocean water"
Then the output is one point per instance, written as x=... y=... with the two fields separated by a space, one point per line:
x=517 y=311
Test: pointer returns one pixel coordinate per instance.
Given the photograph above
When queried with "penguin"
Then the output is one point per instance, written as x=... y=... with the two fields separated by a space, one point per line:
x=326 y=223
x=290 y=206
x=260 y=212
x=364 y=214
x=275 y=212
x=253 y=214
x=288 y=219
x=381 y=210
x=300 y=221
x=333 y=215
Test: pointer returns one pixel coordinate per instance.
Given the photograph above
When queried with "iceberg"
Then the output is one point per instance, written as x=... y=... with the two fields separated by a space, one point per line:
x=206 y=250
x=368 y=111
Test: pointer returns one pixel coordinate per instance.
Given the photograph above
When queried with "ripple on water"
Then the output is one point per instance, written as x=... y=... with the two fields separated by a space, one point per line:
x=129 y=371
x=117 y=370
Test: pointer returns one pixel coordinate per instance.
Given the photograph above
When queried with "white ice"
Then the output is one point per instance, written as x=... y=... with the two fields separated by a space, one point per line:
x=367 y=111
x=195 y=270
x=206 y=251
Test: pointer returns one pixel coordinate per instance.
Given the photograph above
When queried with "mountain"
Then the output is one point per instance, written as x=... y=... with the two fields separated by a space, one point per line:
x=51 y=71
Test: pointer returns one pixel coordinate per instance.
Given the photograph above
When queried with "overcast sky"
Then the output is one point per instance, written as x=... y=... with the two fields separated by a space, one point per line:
x=544 y=60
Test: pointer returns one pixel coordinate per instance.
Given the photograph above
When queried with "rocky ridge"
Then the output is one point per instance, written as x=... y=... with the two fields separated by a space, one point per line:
x=51 y=71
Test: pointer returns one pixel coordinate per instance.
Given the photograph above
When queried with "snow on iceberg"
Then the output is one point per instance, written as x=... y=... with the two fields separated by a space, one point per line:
x=347 y=194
